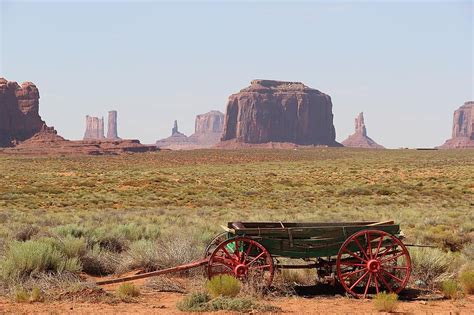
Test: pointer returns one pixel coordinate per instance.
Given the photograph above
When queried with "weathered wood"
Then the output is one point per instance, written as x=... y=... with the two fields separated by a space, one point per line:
x=306 y=240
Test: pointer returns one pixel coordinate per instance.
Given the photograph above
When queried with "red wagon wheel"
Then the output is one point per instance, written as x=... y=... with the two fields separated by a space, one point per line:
x=214 y=243
x=243 y=258
x=373 y=258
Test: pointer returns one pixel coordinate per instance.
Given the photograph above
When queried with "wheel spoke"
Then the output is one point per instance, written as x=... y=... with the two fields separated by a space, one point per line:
x=362 y=250
x=349 y=263
x=354 y=255
x=378 y=246
x=259 y=267
x=386 y=284
x=392 y=258
x=236 y=250
x=392 y=276
x=376 y=283
x=224 y=261
x=347 y=274
x=359 y=280
x=369 y=246
x=226 y=252
x=386 y=251
x=367 y=286
x=247 y=253
x=256 y=258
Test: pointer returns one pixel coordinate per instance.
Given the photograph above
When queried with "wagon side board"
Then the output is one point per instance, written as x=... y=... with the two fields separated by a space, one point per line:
x=310 y=240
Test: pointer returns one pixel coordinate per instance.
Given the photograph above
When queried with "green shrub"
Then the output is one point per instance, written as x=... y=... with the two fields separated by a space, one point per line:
x=99 y=262
x=450 y=289
x=467 y=281
x=223 y=285
x=201 y=302
x=20 y=295
x=25 y=233
x=72 y=247
x=194 y=302
x=385 y=302
x=23 y=259
x=431 y=265
x=73 y=230
x=142 y=254
x=127 y=291
x=36 y=295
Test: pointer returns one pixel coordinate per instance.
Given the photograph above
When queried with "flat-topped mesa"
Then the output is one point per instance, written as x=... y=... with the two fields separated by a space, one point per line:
x=211 y=122
x=360 y=139
x=94 y=128
x=19 y=112
x=272 y=86
x=279 y=111
x=208 y=129
x=463 y=128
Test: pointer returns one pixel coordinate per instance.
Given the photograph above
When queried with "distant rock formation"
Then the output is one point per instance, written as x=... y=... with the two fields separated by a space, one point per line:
x=47 y=143
x=360 y=139
x=278 y=111
x=19 y=112
x=176 y=139
x=23 y=132
x=175 y=132
x=208 y=129
x=207 y=132
x=112 y=133
x=463 y=128
x=94 y=128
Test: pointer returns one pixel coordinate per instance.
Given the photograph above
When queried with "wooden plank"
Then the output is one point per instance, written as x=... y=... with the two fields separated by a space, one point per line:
x=250 y=225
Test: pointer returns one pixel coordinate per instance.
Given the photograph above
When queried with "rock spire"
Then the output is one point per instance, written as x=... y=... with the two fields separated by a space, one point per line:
x=360 y=139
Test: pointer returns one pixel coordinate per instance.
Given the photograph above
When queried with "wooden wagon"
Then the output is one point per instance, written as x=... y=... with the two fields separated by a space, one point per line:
x=364 y=257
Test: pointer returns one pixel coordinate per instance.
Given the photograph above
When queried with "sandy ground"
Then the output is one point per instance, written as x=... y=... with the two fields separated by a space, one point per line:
x=165 y=303
x=153 y=302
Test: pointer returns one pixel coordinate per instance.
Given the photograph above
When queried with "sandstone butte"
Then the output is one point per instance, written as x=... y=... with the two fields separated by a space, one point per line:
x=22 y=131
x=463 y=128
x=19 y=112
x=276 y=113
x=207 y=133
x=360 y=139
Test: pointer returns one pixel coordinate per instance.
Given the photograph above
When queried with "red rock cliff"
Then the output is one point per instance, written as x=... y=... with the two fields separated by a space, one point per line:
x=463 y=128
x=277 y=111
x=19 y=112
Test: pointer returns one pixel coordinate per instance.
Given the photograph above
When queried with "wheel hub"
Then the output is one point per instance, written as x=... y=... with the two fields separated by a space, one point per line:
x=240 y=270
x=373 y=265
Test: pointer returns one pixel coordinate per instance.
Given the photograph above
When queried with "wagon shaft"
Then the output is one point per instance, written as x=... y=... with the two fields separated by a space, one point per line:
x=191 y=265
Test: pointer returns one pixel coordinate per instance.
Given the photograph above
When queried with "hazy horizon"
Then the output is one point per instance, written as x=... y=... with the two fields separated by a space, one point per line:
x=406 y=65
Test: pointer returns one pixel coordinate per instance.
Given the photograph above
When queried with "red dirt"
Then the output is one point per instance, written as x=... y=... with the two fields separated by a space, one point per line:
x=165 y=303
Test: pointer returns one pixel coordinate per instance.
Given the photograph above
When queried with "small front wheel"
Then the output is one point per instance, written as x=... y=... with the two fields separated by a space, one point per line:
x=243 y=258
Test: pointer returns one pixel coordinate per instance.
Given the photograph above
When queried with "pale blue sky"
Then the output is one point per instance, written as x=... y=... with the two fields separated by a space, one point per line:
x=407 y=65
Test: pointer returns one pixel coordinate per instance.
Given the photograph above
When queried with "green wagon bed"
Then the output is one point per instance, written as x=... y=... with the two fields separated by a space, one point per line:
x=305 y=240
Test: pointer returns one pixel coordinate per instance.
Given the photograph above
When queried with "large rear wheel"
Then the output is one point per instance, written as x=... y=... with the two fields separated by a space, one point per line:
x=372 y=261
